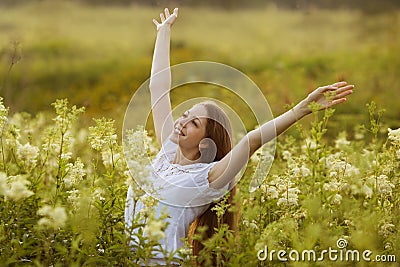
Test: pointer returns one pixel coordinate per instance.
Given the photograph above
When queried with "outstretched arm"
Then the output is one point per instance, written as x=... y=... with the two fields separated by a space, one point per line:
x=160 y=80
x=227 y=168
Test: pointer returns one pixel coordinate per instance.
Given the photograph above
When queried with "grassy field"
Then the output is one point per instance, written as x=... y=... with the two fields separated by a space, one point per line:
x=98 y=56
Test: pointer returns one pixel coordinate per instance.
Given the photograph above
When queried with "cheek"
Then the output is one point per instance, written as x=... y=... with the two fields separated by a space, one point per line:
x=198 y=133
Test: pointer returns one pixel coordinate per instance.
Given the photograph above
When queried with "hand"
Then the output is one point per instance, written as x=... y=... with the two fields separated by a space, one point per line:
x=328 y=96
x=166 y=18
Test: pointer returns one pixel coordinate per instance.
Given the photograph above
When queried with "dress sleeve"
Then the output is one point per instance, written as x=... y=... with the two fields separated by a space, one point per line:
x=207 y=194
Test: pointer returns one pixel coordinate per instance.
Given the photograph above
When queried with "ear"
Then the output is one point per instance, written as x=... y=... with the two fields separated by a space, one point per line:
x=208 y=150
x=204 y=143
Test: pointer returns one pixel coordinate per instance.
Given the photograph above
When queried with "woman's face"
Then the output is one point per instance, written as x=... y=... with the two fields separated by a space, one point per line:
x=190 y=128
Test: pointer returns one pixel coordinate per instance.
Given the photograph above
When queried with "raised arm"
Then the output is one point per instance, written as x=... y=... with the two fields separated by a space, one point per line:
x=226 y=169
x=160 y=80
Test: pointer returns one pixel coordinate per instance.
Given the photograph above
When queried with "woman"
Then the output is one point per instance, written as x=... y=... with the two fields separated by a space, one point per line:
x=197 y=163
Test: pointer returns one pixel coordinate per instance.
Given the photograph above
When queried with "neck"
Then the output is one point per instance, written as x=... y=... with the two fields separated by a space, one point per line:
x=187 y=157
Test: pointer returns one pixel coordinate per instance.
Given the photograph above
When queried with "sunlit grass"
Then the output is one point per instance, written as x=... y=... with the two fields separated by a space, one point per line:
x=97 y=56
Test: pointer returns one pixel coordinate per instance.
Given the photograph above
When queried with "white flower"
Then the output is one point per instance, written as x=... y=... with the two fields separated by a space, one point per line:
x=53 y=217
x=110 y=158
x=27 y=153
x=75 y=173
x=332 y=186
x=367 y=191
x=352 y=171
x=102 y=134
x=286 y=155
x=383 y=185
x=3 y=114
x=311 y=144
x=333 y=174
x=154 y=230
x=289 y=197
x=342 y=142
x=387 y=229
x=394 y=136
x=73 y=198
x=337 y=199
x=305 y=171
x=98 y=194
x=66 y=156
x=253 y=225
x=270 y=191
x=15 y=187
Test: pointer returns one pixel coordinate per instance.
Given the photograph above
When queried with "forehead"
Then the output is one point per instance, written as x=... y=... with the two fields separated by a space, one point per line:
x=199 y=111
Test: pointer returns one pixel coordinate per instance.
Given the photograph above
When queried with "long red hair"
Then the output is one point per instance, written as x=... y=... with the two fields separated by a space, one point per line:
x=218 y=129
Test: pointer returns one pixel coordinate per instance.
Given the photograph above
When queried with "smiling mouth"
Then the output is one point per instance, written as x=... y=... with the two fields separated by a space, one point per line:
x=178 y=131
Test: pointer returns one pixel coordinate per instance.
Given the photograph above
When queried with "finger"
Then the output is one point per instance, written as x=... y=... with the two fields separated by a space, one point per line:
x=176 y=12
x=337 y=101
x=339 y=84
x=166 y=11
x=156 y=22
x=345 y=88
x=162 y=17
x=342 y=95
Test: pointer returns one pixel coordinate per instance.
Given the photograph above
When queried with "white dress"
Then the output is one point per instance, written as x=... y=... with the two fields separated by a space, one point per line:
x=183 y=191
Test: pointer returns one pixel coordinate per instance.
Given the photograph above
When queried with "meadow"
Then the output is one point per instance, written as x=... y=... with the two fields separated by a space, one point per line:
x=63 y=175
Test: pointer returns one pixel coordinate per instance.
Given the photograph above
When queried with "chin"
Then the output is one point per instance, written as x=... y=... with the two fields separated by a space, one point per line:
x=174 y=138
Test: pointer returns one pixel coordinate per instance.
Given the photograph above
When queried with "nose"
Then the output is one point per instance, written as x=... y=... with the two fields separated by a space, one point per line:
x=181 y=122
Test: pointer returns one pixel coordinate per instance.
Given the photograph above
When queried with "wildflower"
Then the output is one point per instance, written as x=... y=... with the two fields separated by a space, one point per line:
x=289 y=197
x=272 y=192
x=333 y=174
x=102 y=134
x=367 y=191
x=53 y=217
x=286 y=155
x=383 y=185
x=66 y=156
x=3 y=114
x=155 y=230
x=65 y=115
x=111 y=159
x=269 y=191
x=305 y=171
x=27 y=153
x=336 y=199
x=394 y=136
x=332 y=186
x=98 y=194
x=311 y=144
x=342 y=143
x=351 y=171
x=75 y=173
x=15 y=187
x=387 y=229
x=73 y=197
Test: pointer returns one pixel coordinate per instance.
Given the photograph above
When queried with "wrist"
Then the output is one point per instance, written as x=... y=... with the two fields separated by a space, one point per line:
x=301 y=110
x=164 y=27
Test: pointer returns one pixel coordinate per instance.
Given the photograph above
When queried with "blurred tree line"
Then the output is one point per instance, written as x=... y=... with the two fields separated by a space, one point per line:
x=370 y=6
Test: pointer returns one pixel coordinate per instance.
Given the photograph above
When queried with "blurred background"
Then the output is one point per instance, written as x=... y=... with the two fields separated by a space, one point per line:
x=97 y=53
